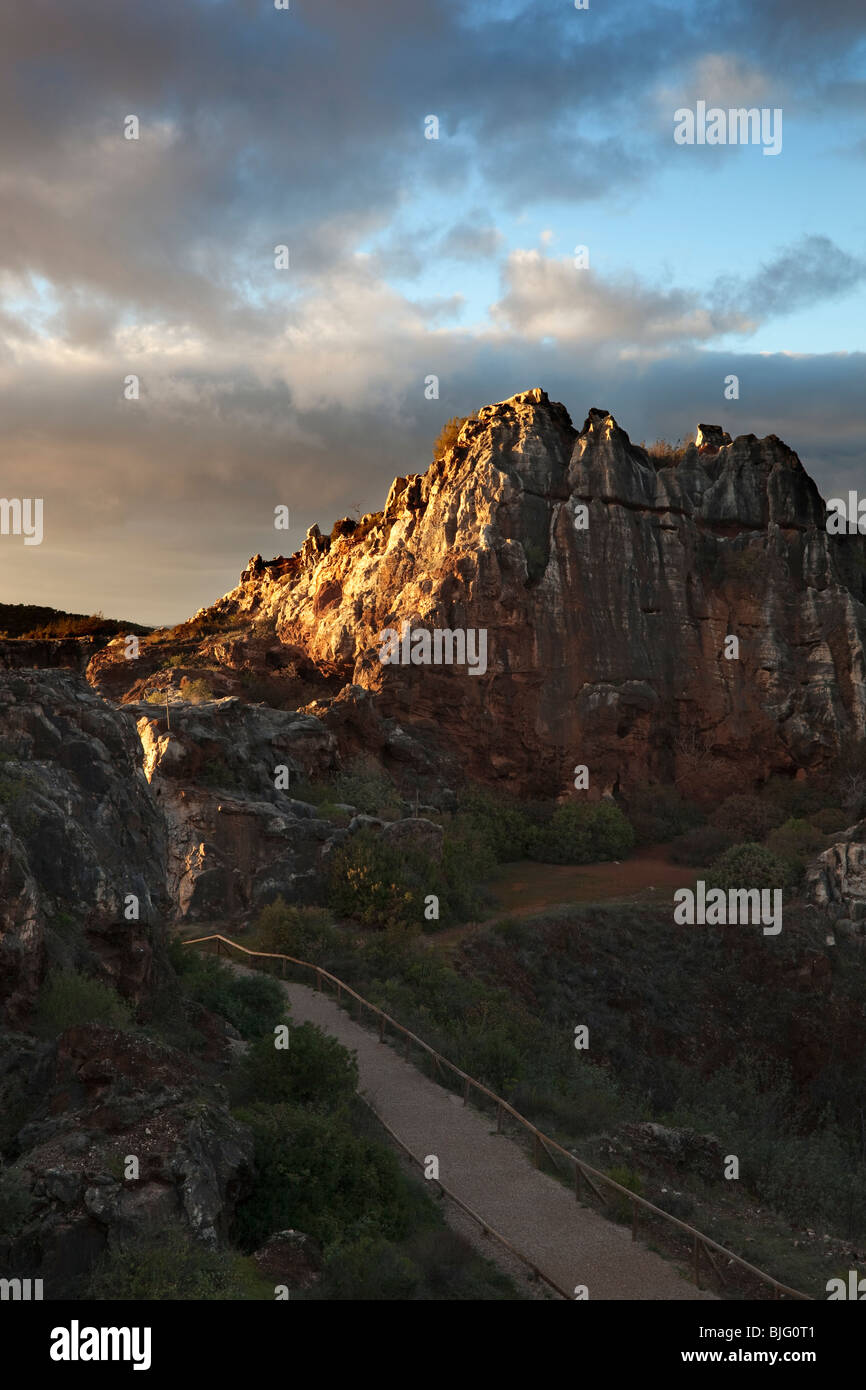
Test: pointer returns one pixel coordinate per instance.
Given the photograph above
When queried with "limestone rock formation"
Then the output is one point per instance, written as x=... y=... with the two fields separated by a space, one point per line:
x=608 y=582
x=836 y=881
x=235 y=838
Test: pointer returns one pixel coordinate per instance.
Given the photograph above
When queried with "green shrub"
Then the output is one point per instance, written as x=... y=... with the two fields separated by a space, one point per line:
x=363 y=785
x=432 y=1264
x=701 y=846
x=371 y=1270
x=368 y=883
x=196 y=692
x=384 y=886
x=795 y=843
x=790 y=797
x=253 y=1003
x=315 y=1175
x=167 y=1264
x=581 y=833
x=747 y=866
x=68 y=998
x=307 y=933
x=366 y=787
x=501 y=830
x=660 y=813
x=314 y=1070
x=620 y=1207
x=748 y=817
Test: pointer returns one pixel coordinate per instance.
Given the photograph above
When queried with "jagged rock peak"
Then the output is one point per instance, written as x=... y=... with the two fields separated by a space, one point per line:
x=711 y=438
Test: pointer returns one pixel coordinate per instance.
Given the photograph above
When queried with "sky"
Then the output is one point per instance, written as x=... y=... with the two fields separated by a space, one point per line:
x=264 y=385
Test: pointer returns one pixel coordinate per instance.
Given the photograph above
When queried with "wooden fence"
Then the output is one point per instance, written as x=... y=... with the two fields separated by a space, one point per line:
x=583 y=1176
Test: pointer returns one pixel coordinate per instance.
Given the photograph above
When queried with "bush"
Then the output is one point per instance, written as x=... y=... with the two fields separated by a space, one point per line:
x=197 y=692
x=307 y=933
x=795 y=843
x=316 y=1176
x=581 y=833
x=748 y=817
x=620 y=1207
x=385 y=887
x=253 y=1004
x=701 y=846
x=747 y=866
x=368 y=883
x=789 y=797
x=432 y=1264
x=502 y=830
x=69 y=998
x=663 y=453
x=166 y=1263
x=363 y=785
x=449 y=433
x=314 y=1070
x=831 y=819
x=659 y=813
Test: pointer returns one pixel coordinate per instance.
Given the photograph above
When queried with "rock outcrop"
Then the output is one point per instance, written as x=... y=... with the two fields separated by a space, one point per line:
x=222 y=775
x=836 y=881
x=608 y=582
x=95 y=1098
x=79 y=831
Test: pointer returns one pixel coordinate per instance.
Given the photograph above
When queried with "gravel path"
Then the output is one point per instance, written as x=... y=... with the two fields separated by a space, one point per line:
x=572 y=1244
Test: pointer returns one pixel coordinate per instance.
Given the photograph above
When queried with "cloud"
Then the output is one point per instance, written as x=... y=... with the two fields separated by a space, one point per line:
x=807 y=273
x=469 y=241
x=551 y=298
x=306 y=388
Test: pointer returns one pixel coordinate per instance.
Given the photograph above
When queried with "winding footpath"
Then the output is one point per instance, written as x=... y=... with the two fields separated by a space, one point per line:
x=493 y=1175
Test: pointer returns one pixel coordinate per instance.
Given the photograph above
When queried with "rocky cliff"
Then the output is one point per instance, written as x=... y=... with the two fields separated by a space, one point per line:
x=608 y=583
x=80 y=829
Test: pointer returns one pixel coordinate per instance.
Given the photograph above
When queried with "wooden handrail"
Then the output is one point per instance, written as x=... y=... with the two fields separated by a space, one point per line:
x=585 y=1169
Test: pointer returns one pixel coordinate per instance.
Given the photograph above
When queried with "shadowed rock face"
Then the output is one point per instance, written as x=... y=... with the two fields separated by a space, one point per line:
x=607 y=582
x=234 y=840
x=79 y=829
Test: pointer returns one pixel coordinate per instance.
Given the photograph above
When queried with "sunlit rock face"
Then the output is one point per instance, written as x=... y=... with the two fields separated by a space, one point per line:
x=609 y=584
